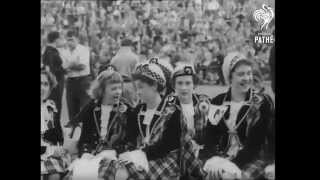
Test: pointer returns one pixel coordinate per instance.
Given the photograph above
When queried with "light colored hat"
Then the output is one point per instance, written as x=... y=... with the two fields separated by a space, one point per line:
x=151 y=71
x=229 y=62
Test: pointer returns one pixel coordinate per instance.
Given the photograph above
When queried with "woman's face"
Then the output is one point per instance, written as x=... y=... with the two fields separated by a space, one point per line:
x=242 y=78
x=113 y=93
x=145 y=91
x=45 y=87
x=184 y=86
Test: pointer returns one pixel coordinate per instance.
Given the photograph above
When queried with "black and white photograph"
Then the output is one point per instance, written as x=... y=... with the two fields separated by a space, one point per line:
x=158 y=89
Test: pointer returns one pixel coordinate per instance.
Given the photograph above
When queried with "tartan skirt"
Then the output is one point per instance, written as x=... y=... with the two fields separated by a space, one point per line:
x=253 y=170
x=53 y=165
x=166 y=168
x=190 y=164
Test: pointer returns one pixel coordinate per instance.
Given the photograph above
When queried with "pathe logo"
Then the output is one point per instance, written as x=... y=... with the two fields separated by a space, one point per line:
x=264 y=16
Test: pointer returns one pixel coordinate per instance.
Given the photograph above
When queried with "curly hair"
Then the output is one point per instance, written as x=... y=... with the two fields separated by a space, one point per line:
x=98 y=86
x=51 y=78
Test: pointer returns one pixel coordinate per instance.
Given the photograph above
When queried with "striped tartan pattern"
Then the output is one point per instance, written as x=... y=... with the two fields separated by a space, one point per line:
x=255 y=170
x=107 y=169
x=189 y=163
x=161 y=169
x=165 y=168
x=53 y=165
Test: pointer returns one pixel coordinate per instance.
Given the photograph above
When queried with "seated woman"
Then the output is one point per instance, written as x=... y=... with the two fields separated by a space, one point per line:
x=236 y=139
x=54 y=159
x=184 y=81
x=154 y=131
x=104 y=118
x=104 y=122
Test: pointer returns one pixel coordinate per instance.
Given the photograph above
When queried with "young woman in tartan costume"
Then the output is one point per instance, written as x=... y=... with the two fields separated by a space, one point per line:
x=104 y=119
x=54 y=160
x=237 y=138
x=193 y=121
x=96 y=135
x=154 y=130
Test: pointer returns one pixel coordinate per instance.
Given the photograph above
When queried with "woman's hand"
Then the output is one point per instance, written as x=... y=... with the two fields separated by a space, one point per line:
x=219 y=167
x=58 y=151
x=269 y=172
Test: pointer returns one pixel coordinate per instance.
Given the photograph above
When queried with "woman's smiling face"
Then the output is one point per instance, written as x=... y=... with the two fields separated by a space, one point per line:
x=242 y=78
x=113 y=92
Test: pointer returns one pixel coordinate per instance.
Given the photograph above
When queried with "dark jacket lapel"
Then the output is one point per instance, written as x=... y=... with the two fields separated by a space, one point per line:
x=96 y=116
x=141 y=116
x=158 y=113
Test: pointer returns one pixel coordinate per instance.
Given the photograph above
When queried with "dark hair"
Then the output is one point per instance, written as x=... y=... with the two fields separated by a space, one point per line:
x=148 y=81
x=51 y=78
x=126 y=42
x=71 y=33
x=195 y=80
x=53 y=36
x=157 y=39
x=98 y=86
x=239 y=63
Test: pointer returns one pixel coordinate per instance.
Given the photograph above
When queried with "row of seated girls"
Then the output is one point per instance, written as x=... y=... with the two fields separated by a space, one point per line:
x=173 y=132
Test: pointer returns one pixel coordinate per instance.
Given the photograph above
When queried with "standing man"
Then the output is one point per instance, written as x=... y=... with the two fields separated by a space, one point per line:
x=51 y=59
x=77 y=63
x=125 y=61
x=157 y=45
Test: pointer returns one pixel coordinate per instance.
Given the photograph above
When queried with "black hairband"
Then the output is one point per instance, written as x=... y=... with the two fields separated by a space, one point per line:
x=186 y=71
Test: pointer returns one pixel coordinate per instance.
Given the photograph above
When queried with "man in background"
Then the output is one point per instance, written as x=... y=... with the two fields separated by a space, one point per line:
x=77 y=64
x=125 y=61
x=51 y=59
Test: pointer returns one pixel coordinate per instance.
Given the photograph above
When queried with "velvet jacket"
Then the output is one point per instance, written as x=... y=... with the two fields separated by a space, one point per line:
x=199 y=119
x=257 y=113
x=90 y=138
x=165 y=129
x=51 y=58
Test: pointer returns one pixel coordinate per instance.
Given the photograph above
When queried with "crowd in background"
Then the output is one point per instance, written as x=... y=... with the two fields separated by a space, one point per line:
x=133 y=57
x=200 y=32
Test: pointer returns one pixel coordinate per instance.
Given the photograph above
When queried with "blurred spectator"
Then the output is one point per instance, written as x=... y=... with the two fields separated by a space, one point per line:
x=199 y=30
x=77 y=63
x=125 y=61
x=52 y=59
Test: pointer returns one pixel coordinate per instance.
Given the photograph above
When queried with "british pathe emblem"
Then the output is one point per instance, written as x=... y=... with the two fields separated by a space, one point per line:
x=264 y=16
